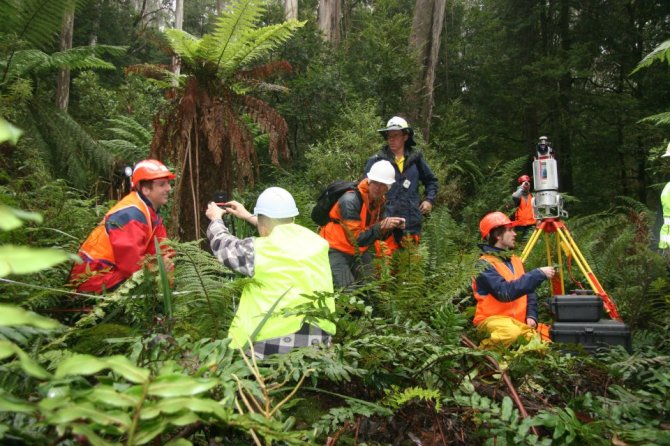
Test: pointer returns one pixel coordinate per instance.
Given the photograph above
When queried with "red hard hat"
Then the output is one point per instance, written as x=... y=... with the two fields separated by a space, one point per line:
x=492 y=221
x=147 y=170
x=523 y=178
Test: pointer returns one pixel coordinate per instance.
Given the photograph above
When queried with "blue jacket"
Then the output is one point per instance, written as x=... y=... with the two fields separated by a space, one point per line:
x=403 y=199
x=490 y=282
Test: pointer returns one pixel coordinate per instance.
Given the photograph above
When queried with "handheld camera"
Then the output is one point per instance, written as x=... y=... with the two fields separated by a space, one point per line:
x=548 y=203
x=220 y=199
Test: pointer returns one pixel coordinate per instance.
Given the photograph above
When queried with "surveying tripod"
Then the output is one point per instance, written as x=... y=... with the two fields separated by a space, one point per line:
x=565 y=246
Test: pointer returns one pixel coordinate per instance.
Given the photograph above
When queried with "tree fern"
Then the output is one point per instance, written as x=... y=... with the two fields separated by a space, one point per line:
x=214 y=121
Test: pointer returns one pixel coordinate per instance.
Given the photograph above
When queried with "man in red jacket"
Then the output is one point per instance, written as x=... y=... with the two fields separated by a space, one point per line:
x=116 y=248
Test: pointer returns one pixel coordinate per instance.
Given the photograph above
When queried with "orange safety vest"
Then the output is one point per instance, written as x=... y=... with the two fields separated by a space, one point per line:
x=488 y=305
x=97 y=246
x=524 y=213
x=343 y=239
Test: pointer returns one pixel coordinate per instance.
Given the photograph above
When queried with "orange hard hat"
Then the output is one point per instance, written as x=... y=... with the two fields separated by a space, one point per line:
x=492 y=221
x=147 y=170
x=523 y=178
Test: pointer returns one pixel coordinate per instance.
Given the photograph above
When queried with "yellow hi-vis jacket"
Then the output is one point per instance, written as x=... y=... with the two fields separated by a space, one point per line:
x=664 y=236
x=292 y=261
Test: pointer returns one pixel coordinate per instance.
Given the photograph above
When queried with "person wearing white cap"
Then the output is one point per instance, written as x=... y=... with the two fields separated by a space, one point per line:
x=664 y=234
x=287 y=262
x=411 y=170
x=355 y=225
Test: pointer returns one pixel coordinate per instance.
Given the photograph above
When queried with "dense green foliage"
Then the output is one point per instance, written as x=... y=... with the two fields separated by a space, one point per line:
x=149 y=364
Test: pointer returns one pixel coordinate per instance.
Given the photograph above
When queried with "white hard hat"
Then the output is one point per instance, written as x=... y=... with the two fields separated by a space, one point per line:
x=667 y=152
x=382 y=172
x=276 y=202
x=395 y=123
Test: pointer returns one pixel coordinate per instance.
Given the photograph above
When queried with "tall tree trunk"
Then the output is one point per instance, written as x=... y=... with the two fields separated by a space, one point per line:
x=290 y=9
x=95 y=25
x=219 y=6
x=178 y=24
x=425 y=40
x=63 y=79
x=329 y=20
x=564 y=97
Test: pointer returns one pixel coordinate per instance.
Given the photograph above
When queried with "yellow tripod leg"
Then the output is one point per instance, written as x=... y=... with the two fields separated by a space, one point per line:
x=531 y=244
x=597 y=288
x=558 y=282
x=571 y=249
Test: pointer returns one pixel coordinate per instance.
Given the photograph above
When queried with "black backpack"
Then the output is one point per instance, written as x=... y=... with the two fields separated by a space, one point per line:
x=329 y=197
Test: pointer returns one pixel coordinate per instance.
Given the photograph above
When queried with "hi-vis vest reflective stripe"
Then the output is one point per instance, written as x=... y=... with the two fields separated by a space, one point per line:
x=487 y=305
x=291 y=261
x=97 y=245
x=524 y=213
x=335 y=232
x=664 y=236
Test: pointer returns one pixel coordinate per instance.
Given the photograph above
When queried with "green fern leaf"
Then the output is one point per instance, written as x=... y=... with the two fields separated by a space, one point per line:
x=229 y=27
x=261 y=42
x=184 y=44
x=660 y=53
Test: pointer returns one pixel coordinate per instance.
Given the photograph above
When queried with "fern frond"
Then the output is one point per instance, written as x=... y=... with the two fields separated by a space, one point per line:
x=75 y=60
x=37 y=22
x=660 y=53
x=183 y=44
x=261 y=41
x=211 y=293
x=631 y=204
x=85 y=57
x=271 y=122
x=124 y=150
x=243 y=15
x=24 y=62
x=132 y=140
x=658 y=119
x=71 y=150
x=396 y=398
x=151 y=71
x=130 y=130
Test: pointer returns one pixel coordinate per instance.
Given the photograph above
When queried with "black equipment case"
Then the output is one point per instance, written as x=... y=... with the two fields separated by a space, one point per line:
x=576 y=308
x=592 y=335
